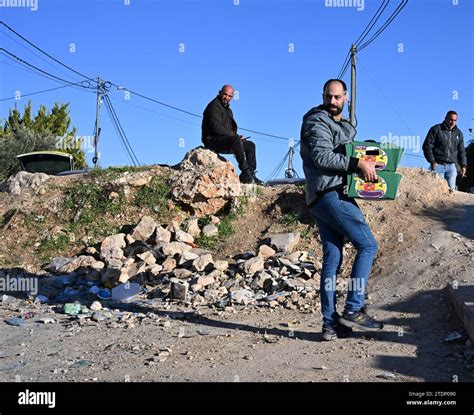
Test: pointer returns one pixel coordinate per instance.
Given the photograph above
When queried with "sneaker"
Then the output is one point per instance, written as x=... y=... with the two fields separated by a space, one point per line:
x=360 y=320
x=338 y=331
x=246 y=177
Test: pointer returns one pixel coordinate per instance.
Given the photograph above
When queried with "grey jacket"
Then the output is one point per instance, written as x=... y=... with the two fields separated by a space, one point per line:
x=442 y=145
x=322 y=150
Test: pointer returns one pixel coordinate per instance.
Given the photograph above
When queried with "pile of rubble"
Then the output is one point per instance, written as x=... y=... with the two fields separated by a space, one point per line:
x=166 y=265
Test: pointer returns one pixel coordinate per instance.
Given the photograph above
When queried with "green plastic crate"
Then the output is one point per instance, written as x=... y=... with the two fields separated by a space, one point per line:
x=385 y=188
x=387 y=154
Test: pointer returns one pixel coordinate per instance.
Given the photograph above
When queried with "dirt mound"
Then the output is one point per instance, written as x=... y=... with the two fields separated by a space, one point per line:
x=35 y=225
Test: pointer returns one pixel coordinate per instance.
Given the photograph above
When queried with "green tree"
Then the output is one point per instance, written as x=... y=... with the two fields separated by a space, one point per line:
x=49 y=131
x=23 y=141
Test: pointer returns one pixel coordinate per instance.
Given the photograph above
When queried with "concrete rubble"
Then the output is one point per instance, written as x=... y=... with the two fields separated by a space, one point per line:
x=156 y=267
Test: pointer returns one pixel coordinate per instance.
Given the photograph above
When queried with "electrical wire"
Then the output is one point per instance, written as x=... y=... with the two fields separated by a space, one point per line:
x=396 y=12
x=133 y=92
x=42 y=51
x=11 y=56
x=120 y=128
x=37 y=55
x=363 y=35
x=39 y=92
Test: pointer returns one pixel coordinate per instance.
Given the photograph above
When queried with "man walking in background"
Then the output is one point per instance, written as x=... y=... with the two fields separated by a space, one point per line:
x=219 y=133
x=444 y=149
x=323 y=135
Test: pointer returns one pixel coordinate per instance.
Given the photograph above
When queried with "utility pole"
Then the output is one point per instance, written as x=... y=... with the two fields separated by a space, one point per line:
x=290 y=172
x=352 y=107
x=96 y=157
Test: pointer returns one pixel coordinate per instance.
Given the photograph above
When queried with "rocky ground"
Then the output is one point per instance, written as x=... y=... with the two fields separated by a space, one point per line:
x=247 y=308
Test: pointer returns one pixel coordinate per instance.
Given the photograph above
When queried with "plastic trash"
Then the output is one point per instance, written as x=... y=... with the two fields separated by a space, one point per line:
x=124 y=292
x=72 y=308
x=41 y=299
x=104 y=294
x=94 y=289
x=15 y=321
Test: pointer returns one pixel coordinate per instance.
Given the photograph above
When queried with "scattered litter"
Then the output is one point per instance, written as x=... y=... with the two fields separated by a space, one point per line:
x=81 y=364
x=12 y=366
x=104 y=294
x=124 y=292
x=453 y=336
x=15 y=321
x=72 y=308
x=48 y=320
x=387 y=376
x=41 y=299
x=94 y=289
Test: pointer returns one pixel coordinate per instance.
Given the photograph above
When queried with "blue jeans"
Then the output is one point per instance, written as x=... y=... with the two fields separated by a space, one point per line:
x=449 y=172
x=338 y=218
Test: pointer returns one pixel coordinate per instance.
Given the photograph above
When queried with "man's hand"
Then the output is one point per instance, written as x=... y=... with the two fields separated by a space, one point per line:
x=463 y=171
x=433 y=166
x=367 y=170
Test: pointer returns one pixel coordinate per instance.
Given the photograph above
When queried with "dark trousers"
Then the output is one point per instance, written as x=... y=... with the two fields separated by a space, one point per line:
x=244 y=150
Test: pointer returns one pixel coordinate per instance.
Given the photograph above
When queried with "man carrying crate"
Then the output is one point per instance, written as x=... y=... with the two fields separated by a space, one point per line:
x=323 y=135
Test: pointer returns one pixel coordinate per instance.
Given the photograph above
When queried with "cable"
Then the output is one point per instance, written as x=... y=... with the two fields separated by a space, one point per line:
x=112 y=119
x=45 y=53
x=400 y=7
x=122 y=141
x=38 y=92
x=22 y=61
x=121 y=130
x=362 y=36
x=133 y=92
x=37 y=55
x=119 y=125
x=193 y=114
x=367 y=28
x=277 y=169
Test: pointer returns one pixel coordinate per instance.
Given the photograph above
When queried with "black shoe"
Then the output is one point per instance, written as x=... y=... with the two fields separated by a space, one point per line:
x=360 y=320
x=338 y=331
x=257 y=180
x=246 y=177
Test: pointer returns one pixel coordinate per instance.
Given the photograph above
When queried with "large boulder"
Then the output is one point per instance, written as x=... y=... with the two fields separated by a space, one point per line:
x=204 y=183
x=24 y=180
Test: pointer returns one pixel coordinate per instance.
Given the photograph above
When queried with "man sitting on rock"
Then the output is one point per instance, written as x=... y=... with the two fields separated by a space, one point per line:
x=219 y=133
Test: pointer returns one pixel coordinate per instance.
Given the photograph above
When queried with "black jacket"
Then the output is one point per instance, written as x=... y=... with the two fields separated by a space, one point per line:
x=218 y=121
x=442 y=145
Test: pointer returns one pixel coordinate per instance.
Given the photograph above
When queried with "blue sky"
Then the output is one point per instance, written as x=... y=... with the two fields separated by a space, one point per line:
x=276 y=53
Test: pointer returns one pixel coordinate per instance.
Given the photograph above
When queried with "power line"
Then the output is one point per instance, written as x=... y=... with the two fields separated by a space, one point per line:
x=193 y=114
x=400 y=7
x=36 y=54
x=136 y=93
x=372 y=22
x=363 y=35
x=45 y=53
x=122 y=134
x=39 y=92
x=23 y=62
